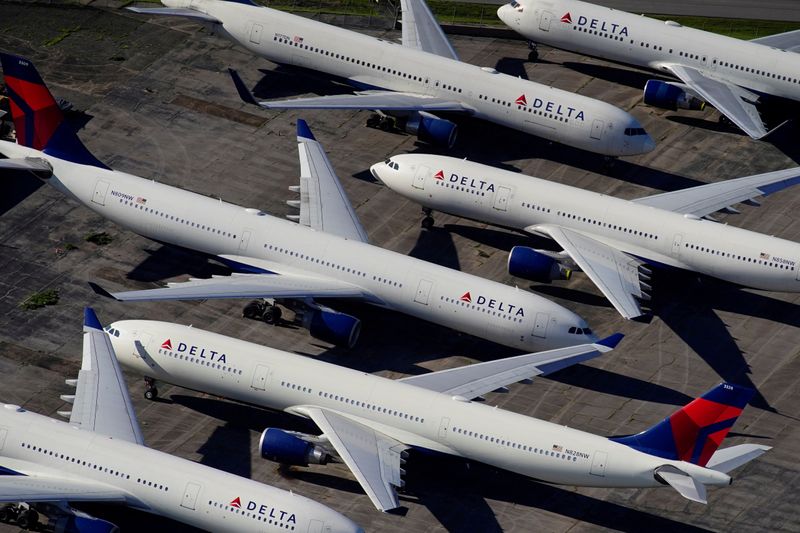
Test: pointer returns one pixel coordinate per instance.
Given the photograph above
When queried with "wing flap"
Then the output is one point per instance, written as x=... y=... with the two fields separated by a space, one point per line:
x=706 y=199
x=614 y=272
x=175 y=12
x=734 y=102
x=475 y=380
x=373 y=457
x=244 y=286
x=421 y=30
x=324 y=205
x=102 y=403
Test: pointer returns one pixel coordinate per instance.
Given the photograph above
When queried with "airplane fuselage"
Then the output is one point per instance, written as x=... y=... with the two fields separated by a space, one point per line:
x=654 y=235
x=157 y=482
x=412 y=415
x=487 y=309
x=638 y=40
x=370 y=63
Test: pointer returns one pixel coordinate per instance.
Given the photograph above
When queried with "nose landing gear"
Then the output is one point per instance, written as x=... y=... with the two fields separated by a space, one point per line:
x=533 y=55
x=150 y=390
x=427 y=221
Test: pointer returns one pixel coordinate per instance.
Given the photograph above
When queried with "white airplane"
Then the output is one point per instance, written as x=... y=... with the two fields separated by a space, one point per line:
x=734 y=76
x=414 y=80
x=100 y=456
x=325 y=256
x=369 y=422
x=615 y=242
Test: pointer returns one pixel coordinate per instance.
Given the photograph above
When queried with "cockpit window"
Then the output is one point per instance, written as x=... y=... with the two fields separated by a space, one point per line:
x=580 y=331
x=633 y=132
x=392 y=164
x=514 y=3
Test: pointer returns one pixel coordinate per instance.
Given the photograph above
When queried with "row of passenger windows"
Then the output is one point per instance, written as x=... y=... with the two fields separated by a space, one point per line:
x=176 y=219
x=742 y=258
x=480 y=308
x=515 y=445
x=255 y=516
x=371 y=407
x=324 y=263
x=542 y=113
x=536 y=207
x=80 y=462
x=757 y=71
x=198 y=361
x=609 y=226
x=471 y=190
x=600 y=33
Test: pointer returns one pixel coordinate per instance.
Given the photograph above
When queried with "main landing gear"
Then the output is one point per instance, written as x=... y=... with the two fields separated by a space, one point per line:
x=427 y=221
x=381 y=122
x=24 y=516
x=533 y=55
x=150 y=390
x=263 y=309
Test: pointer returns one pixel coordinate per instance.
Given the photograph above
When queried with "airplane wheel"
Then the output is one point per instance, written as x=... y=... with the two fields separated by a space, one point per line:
x=273 y=315
x=427 y=222
x=373 y=121
x=8 y=512
x=151 y=393
x=533 y=56
x=385 y=125
x=28 y=519
x=253 y=310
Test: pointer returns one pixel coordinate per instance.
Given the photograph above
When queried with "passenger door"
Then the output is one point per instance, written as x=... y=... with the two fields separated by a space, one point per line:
x=419 y=178
x=501 y=198
x=540 y=325
x=190 y=494
x=260 y=378
x=597 y=129
x=255 y=33
x=100 y=190
x=423 y=291
x=544 y=20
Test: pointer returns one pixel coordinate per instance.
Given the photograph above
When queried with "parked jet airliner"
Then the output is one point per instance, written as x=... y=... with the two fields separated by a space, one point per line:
x=369 y=422
x=326 y=255
x=416 y=79
x=734 y=76
x=99 y=456
x=614 y=241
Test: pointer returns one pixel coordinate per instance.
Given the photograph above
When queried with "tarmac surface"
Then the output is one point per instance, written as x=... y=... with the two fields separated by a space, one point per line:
x=159 y=104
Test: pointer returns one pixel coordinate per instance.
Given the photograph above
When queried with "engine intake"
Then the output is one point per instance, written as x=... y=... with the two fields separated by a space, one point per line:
x=283 y=447
x=432 y=129
x=670 y=96
x=331 y=326
x=527 y=263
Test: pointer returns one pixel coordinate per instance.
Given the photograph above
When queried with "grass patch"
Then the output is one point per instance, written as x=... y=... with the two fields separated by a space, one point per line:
x=99 y=238
x=63 y=34
x=40 y=299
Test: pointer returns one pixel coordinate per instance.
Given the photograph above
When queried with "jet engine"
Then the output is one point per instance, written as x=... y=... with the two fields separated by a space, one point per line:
x=432 y=129
x=287 y=448
x=670 y=96
x=527 y=263
x=84 y=523
x=332 y=326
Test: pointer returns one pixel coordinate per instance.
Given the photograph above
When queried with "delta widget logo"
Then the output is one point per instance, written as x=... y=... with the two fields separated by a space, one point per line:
x=567 y=18
x=439 y=175
x=466 y=297
x=236 y=502
x=167 y=345
x=522 y=100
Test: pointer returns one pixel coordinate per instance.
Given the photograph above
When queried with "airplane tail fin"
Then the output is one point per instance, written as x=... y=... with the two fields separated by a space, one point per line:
x=38 y=120
x=694 y=432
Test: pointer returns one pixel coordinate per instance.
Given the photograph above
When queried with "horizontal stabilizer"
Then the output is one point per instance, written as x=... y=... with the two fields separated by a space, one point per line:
x=728 y=459
x=686 y=485
x=37 y=166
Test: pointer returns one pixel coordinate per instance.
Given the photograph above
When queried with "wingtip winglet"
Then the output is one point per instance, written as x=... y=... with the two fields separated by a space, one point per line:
x=611 y=341
x=90 y=319
x=303 y=130
x=241 y=88
x=100 y=291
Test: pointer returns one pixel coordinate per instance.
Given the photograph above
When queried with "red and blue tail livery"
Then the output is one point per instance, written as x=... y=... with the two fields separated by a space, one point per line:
x=38 y=121
x=694 y=433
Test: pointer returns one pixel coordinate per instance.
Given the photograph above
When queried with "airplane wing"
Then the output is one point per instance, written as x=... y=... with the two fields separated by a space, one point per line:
x=35 y=488
x=175 y=12
x=324 y=205
x=475 y=380
x=614 y=272
x=244 y=286
x=789 y=41
x=377 y=100
x=373 y=457
x=736 y=103
x=101 y=402
x=422 y=31
x=706 y=199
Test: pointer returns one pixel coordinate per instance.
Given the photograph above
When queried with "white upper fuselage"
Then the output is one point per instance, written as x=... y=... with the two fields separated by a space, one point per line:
x=370 y=63
x=496 y=312
x=638 y=40
x=655 y=235
x=415 y=416
x=157 y=482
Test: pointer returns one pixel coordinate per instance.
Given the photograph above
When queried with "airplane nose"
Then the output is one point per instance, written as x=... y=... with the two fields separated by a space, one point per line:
x=648 y=144
x=374 y=171
x=502 y=13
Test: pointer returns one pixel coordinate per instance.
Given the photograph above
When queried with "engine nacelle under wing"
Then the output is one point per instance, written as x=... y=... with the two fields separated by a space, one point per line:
x=331 y=326
x=527 y=263
x=670 y=96
x=432 y=129
x=283 y=447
